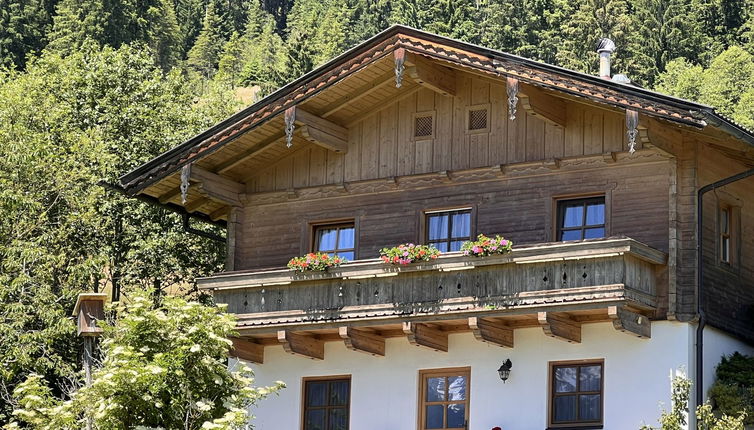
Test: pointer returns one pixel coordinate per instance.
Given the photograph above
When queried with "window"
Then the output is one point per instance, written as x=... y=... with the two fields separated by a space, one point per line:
x=576 y=394
x=477 y=118
x=581 y=219
x=424 y=125
x=447 y=230
x=444 y=398
x=725 y=226
x=326 y=403
x=335 y=239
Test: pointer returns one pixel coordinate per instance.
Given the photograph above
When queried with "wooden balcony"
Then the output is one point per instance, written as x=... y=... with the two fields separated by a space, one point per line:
x=557 y=286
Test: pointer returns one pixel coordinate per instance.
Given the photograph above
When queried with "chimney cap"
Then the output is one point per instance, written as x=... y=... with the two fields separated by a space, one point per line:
x=621 y=79
x=605 y=45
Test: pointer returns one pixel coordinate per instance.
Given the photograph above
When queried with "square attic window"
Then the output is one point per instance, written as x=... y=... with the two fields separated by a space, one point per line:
x=423 y=125
x=477 y=119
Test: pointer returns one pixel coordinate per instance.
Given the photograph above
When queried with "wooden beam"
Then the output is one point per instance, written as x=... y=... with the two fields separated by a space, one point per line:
x=359 y=93
x=630 y=322
x=219 y=213
x=362 y=341
x=164 y=198
x=299 y=344
x=324 y=139
x=250 y=153
x=217 y=187
x=431 y=75
x=540 y=104
x=322 y=132
x=247 y=350
x=560 y=327
x=491 y=332
x=194 y=205
x=423 y=335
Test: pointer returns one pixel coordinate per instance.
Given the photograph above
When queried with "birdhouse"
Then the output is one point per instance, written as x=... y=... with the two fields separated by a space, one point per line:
x=90 y=310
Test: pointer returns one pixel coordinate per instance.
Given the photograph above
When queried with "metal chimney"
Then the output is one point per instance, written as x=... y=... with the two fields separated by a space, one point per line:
x=605 y=47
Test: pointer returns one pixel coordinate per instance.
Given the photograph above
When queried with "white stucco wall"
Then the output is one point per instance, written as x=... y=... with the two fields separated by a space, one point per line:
x=717 y=344
x=384 y=389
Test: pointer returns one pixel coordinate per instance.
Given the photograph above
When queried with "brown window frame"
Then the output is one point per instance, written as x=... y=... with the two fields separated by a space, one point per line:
x=581 y=425
x=725 y=237
x=338 y=378
x=560 y=205
x=428 y=113
x=444 y=372
x=429 y=213
x=339 y=225
x=478 y=107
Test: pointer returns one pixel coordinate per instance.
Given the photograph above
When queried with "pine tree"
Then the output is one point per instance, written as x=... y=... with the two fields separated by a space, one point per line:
x=24 y=25
x=316 y=33
x=205 y=53
x=368 y=17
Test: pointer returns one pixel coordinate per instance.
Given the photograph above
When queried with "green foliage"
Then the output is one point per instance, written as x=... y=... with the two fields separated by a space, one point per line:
x=484 y=246
x=408 y=253
x=316 y=262
x=733 y=390
x=162 y=367
x=69 y=122
x=676 y=418
x=205 y=53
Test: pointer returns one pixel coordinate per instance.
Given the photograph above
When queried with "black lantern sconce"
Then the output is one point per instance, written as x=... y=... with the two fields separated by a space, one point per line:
x=505 y=370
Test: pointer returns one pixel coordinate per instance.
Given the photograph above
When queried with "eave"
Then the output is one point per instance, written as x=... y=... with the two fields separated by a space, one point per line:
x=455 y=54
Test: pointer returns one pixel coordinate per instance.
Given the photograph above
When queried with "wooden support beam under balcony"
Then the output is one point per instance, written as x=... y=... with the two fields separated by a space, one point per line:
x=247 y=350
x=430 y=75
x=303 y=345
x=560 y=326
x=362 y=341
x=491 y=332
x=426 y=336
x=630 y=322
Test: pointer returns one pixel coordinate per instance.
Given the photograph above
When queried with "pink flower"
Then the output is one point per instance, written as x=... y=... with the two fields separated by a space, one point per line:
x=405 y=253
x=494 y=248
x=504 y=243
x=476 y=249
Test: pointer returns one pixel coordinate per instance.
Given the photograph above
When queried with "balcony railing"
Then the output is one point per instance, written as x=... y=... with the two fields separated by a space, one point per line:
x=564 y=275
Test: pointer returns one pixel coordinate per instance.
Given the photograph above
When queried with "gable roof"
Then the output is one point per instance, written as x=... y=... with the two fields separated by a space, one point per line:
x=459 y=54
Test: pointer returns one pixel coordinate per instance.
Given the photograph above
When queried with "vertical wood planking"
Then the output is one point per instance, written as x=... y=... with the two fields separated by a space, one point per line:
x=553 y=141
x=317 y=165
x=370 y=148
x=593 y=131
x=498 y=125
x=388 y=129
x=352 y=158
x=284 y=174
x=479 y=142
x=425 y=100
x=334 y=167
x=535 y=138
x=301 y=168
x=460 y=145
x=614 y=124
x=405 y=149
x=443 y=146
x=574 y=132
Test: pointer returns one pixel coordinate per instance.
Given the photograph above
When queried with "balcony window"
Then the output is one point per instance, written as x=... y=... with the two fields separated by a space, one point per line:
x=581 y=219
x=447 y=230
x=336 y=239
x=444 y=399
x=576 y=394
x=327 y=403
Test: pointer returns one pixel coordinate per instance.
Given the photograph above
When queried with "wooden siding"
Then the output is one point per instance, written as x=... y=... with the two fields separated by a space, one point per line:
x=728 y=288
x=521 y=208
x=382 y=145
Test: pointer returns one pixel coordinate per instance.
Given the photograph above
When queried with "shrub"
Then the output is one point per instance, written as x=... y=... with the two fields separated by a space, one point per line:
x=408 y=253
x=485 y=246
x=318 y=262
x=734 y=389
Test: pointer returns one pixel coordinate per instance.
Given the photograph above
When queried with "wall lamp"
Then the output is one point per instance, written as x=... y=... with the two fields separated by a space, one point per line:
x=505 y=370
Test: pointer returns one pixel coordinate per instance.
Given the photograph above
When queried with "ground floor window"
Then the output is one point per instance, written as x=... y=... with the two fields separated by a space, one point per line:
x=326 y=403
x=444 y=398
x=576 y=394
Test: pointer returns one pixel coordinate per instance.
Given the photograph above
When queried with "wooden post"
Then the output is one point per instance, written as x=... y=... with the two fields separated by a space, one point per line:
x=89 y=310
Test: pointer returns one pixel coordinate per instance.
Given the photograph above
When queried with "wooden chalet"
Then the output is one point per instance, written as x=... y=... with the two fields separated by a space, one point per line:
x=413 y=137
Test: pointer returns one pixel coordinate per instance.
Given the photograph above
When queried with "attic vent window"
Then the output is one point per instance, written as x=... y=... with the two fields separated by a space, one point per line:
x=478 y=119
x=423 y=126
